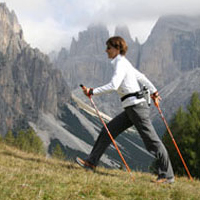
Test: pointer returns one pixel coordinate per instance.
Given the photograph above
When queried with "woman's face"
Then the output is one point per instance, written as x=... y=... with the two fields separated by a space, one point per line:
x=112 y=52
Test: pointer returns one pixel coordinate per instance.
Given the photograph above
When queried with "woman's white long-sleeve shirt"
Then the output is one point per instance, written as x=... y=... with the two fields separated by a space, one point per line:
x=125 y=81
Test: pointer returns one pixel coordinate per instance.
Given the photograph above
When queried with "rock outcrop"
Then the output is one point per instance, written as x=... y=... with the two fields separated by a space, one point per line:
x=172 y=48
x=87 y=61
x=28 y=83
x=134 y=47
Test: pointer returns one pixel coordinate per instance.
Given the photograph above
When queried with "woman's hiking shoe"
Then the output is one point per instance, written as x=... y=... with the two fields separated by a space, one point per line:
x=85 y=164
x=164 y=180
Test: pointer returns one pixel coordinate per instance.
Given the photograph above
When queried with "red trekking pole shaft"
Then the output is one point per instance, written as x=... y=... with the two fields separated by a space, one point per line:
x=175 y=144
x=111 y=137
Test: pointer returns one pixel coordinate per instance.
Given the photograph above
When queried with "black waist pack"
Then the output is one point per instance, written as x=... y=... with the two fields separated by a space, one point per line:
x=138 y=95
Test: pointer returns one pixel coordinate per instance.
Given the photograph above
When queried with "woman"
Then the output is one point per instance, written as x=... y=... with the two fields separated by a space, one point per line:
x=125 y=81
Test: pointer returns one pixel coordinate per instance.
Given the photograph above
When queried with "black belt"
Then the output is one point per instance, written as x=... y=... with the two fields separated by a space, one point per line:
x=139 y=95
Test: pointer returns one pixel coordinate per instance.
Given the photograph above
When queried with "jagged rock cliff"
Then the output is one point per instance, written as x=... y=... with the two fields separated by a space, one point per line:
x=134 y=47
x=172 y=48
x=28 y=84
x=90 y=42
x=171 y=59
x=87 y=61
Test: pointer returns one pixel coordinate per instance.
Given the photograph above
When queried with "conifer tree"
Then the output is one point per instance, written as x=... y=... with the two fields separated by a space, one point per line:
x=9 y=138
x=58 y=152
x=21 y=141
x=35 y=143
x=192 y=141
x=28 y=141
x=185 y=127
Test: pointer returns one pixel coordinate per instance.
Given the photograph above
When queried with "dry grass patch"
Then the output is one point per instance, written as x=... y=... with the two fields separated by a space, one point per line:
x=30 y=177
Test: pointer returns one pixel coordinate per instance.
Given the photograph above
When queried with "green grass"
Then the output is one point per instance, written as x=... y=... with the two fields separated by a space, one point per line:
x=29 y=177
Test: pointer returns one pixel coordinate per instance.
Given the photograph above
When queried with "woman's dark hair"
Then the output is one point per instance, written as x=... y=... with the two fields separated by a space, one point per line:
x=118 y=43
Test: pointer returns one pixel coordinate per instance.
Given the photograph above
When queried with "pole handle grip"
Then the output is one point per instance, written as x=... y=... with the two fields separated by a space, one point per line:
x=82 y=86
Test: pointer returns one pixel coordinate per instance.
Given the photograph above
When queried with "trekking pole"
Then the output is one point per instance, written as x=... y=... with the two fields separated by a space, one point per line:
x=111 y=137
x=175 y=144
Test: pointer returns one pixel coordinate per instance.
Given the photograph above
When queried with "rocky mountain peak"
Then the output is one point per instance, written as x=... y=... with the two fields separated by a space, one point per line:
x=123 y=31
x=11 y=33
x=133 y=53
x=186 y=23
x=91 y=41
x=63 y=54
x=28 y=83
x=10 y=19
x=172 y=48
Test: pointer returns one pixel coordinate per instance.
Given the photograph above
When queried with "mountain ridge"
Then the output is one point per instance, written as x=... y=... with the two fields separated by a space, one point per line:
x=28 y=82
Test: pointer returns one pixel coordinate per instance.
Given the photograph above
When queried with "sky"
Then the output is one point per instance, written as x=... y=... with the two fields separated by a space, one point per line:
x=51 y=24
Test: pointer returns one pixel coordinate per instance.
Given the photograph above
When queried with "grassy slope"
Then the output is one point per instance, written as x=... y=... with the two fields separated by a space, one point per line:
x=26 y=176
